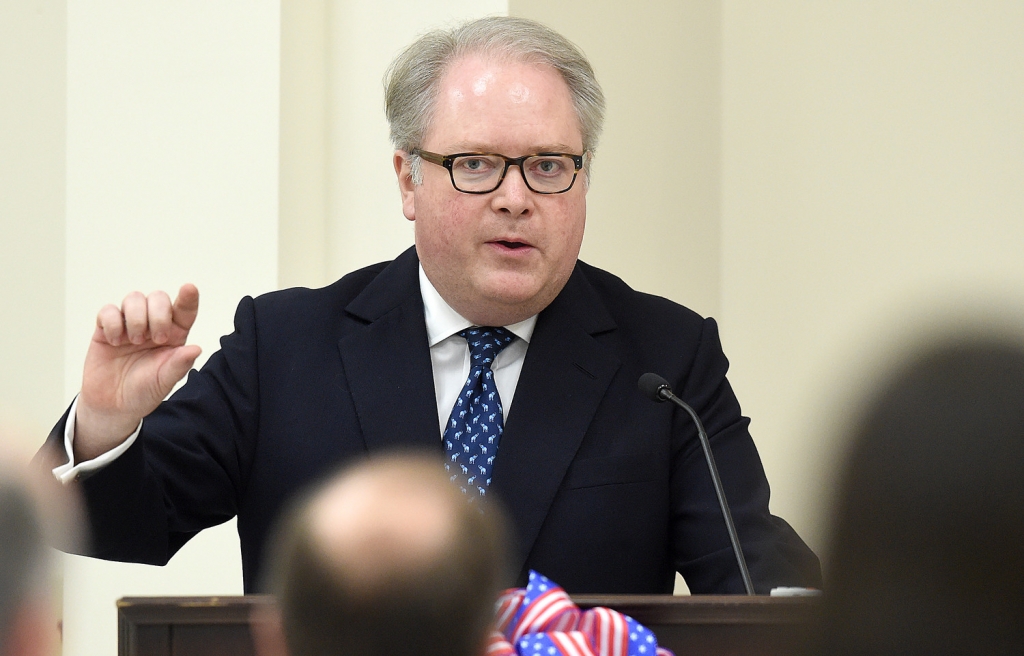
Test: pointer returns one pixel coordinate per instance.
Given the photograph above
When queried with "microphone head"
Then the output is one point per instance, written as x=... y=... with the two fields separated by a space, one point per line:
x=651 y=385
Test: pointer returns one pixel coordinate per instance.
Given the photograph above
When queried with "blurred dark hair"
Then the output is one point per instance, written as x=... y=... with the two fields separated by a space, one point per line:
x=441 y=608
x=927 y=548
x=22 y=553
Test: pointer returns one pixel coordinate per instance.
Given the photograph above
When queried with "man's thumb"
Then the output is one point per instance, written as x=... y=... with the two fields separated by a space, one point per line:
x=178 y=365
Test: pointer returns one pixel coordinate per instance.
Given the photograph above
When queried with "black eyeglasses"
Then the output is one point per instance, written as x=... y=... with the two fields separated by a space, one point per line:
x=482 y=173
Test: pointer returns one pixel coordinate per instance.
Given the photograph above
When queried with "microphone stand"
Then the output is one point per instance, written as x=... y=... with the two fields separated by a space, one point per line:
x=658 y=389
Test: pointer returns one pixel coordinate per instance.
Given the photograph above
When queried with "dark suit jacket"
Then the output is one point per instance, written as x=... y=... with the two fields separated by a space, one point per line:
x=608 y=491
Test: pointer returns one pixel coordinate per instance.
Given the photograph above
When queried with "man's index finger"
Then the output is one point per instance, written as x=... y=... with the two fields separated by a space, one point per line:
x=186 y=306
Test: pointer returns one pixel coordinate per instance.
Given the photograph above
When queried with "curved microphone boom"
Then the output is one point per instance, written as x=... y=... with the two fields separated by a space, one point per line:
x=657 y=389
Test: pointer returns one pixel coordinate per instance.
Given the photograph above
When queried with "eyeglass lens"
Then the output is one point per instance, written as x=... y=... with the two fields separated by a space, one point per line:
x=543 y=173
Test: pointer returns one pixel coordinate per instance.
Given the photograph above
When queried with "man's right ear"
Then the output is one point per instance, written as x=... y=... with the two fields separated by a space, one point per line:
x=403 y=169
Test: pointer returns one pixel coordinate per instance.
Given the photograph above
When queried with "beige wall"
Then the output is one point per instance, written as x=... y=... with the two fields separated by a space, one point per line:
x=872 y=158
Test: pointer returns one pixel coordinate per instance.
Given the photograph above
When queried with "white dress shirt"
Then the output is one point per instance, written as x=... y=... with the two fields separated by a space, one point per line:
x=449 y=354
x=449 y=358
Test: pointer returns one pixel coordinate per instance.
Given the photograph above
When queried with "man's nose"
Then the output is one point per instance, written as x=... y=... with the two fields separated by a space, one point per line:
x=513 y=195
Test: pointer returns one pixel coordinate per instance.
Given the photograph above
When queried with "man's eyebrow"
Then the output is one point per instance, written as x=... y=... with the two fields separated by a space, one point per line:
x=466 y=147
x=555 y=148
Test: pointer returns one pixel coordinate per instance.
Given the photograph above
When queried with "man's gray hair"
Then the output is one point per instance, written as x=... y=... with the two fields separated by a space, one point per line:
x=411 y=82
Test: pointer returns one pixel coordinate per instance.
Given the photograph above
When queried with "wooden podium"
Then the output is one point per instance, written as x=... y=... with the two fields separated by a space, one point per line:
x=705 y=625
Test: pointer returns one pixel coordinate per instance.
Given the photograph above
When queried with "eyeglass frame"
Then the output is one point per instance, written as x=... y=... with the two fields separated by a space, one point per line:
x=447 y=160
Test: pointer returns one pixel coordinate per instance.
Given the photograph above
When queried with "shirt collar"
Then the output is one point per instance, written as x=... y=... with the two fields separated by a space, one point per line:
x=443 y=321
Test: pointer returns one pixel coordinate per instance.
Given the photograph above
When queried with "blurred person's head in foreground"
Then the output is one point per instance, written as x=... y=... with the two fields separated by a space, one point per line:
x=27 y=624
x=927 y=549
x=387 y=558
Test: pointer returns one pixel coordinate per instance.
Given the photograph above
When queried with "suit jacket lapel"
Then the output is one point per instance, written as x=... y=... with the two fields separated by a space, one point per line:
x=564 y=377
x=387 y=363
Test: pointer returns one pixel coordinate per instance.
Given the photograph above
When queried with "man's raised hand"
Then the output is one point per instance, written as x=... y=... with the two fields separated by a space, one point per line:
x=136 y=355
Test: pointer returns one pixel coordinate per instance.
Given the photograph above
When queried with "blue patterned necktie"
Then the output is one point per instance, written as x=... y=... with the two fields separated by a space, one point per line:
x=475 y=425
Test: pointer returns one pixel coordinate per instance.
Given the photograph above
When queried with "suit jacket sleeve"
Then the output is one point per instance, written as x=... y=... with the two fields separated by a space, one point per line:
x=775 y=553
x=188 y=466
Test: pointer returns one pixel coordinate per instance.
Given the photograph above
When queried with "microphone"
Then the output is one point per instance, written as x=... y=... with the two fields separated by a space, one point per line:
x=657 y=389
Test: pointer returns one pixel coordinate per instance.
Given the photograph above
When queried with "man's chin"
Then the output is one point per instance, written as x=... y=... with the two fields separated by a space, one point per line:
x=511 y=299
x=510 y=289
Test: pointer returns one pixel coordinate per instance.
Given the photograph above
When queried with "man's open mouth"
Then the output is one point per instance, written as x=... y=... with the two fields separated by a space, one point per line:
x=511 y=244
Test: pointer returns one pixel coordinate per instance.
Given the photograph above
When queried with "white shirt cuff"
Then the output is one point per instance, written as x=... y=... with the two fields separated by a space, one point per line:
x=67 y=473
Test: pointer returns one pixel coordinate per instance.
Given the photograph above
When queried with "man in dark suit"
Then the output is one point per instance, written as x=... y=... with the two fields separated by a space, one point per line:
x=607 y=490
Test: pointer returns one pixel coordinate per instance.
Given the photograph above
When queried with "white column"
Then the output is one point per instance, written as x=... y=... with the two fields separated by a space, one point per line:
x=172 y=177
x=32 y=101
x=32 y=97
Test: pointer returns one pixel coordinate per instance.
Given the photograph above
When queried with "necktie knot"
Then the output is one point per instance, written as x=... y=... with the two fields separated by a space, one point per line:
x=485 y=343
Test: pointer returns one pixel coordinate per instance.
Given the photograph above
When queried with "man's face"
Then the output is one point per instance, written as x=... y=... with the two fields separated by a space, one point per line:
x=500 y=257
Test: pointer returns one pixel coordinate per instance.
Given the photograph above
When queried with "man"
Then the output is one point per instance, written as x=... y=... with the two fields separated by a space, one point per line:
x=494 y=125
x=27 y=625
x=385 y=558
